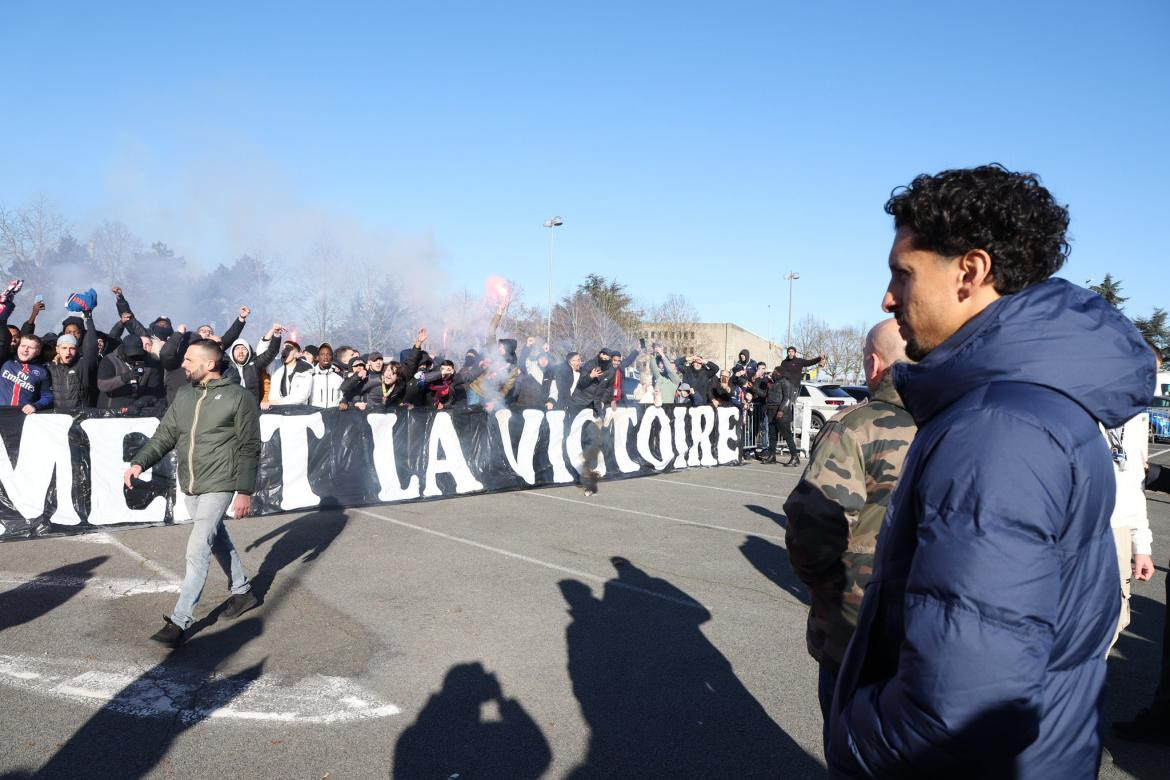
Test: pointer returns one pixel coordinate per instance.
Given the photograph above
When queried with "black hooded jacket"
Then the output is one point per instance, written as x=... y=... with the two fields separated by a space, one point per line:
x=596 y=392
x=129 y=378
x=73 y=384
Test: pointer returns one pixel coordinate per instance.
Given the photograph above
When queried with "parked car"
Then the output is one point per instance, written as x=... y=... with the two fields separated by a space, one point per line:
x=859 y=392
x=1160 y=418
x=824 y=400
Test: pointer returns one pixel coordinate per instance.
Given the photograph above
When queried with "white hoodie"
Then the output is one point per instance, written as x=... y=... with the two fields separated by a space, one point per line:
x=1130 y=509
x=300 y=384
x=324 y=387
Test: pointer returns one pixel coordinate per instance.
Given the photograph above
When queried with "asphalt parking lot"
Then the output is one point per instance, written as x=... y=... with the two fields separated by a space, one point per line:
x=652 y=630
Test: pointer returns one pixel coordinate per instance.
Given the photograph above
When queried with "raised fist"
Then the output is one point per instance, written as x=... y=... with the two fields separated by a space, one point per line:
x=244 y=312
x=183 y=328
x=116 y=291
x=422 y=337
x=277 y=327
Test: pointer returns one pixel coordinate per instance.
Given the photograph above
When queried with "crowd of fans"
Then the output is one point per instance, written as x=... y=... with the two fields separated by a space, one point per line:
x=137 y=368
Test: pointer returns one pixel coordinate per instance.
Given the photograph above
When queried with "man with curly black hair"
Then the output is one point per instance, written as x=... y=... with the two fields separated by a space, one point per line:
x=981 y=640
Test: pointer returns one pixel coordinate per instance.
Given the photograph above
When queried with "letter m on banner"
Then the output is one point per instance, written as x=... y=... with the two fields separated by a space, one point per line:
x=27 y=474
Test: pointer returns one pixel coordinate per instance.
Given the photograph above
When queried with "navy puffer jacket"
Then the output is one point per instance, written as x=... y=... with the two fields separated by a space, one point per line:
x=981 y=640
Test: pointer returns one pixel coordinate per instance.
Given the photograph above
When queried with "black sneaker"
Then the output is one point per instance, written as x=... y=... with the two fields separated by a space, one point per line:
x=239 y=604
x=1148 y=726
x=170 y=634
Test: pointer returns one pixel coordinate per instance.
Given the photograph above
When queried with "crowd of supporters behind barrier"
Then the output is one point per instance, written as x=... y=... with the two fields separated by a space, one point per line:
x=136 y=368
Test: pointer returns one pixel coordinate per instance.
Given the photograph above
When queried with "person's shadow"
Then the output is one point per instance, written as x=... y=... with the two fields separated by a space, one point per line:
x=45 y=592
x=128 y=736
x=763 y=511
x=453 y=738
x=1130 y=682
x=771 y=560
x=661 y=701
x=301 y=539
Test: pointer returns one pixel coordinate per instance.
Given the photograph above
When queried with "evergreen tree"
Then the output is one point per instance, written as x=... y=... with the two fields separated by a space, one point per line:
x=1110 y=290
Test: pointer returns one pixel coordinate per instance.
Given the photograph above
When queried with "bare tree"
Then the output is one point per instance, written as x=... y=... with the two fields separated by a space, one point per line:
x=377 y=308
x=844 y=348
x=811 y=336
x=27 y=237
x=672 y=324
x=113 y=248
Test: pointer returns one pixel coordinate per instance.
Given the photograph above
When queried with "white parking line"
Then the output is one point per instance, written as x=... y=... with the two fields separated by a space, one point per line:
x=1159 y=452
x=106 y=538
x=170 y=690
x=536 y=494
x=101 y=587
x=610 y=581
x=712 y=487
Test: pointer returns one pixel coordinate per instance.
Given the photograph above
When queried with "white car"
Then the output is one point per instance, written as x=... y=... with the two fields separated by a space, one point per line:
x=824 y=401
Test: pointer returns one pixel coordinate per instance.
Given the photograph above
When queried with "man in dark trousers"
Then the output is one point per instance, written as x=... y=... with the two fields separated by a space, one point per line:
x=780 y=408
x=214 y=428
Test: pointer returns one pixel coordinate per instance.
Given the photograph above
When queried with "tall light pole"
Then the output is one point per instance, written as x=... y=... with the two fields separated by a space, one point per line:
x=790 y=276
x=550 y=223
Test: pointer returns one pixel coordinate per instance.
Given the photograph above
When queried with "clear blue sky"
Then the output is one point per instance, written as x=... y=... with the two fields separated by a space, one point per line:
x=701 y=148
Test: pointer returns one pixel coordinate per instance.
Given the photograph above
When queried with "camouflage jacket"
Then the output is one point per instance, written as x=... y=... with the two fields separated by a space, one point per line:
x=836 y=510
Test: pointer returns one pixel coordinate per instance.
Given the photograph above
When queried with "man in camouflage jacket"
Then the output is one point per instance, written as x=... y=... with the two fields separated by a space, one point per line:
x=836 y=510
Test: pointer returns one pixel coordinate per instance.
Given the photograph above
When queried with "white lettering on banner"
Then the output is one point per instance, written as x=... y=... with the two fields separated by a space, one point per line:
x=573 y=445
x=653 y=415
x=680 y=436
x=296 y=493
x=382 y=428
x=727 y=430
x=443 y=436
x=702 y=426
x=107 y=501
x=43 y=452
x=623 y=418
x=556 y=439
x=523 y=458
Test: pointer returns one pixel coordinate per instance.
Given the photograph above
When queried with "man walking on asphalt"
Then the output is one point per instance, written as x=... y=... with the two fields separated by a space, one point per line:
x=980 y=643
x=214 y=427
x=835 y=512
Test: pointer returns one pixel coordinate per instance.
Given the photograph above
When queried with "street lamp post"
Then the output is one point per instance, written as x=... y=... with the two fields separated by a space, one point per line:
x=550 y=223
x=790 y=276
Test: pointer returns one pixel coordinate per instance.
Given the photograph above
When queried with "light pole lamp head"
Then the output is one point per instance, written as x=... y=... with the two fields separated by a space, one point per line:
x=791 y=275
x=553 y=222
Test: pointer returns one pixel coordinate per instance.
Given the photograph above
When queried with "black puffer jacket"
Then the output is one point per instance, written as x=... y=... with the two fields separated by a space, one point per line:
x=73 y=385
x=131 y=379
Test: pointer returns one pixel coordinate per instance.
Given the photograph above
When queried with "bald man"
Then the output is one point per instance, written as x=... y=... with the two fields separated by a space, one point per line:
x=214 y=427
x=835 y=512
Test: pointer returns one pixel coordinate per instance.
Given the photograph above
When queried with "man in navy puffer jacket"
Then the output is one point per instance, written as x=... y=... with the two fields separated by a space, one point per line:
x=981 y=640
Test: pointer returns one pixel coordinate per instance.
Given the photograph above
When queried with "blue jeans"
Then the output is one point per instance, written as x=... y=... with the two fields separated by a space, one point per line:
x=208 y=536
x=826 y=682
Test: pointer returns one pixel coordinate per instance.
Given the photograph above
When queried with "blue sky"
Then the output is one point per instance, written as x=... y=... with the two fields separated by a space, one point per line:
x=695 y=148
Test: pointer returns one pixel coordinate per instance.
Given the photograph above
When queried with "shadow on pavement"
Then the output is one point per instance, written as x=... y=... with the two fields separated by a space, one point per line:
x=132 y=733
x=659 y=698
x=775 y=517
x=1129 y=687
x=771 y=560
x=303 y=538
x=453 y=738
x=45 y=592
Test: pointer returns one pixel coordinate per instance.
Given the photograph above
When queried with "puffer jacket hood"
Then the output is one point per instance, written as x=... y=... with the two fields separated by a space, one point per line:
x=232 y=352
x=1053 y=334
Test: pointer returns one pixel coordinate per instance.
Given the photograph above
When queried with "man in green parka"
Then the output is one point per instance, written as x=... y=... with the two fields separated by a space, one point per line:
x=214 y=427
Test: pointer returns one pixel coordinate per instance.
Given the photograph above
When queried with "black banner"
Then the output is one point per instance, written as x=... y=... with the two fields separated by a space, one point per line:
x=62 y=474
